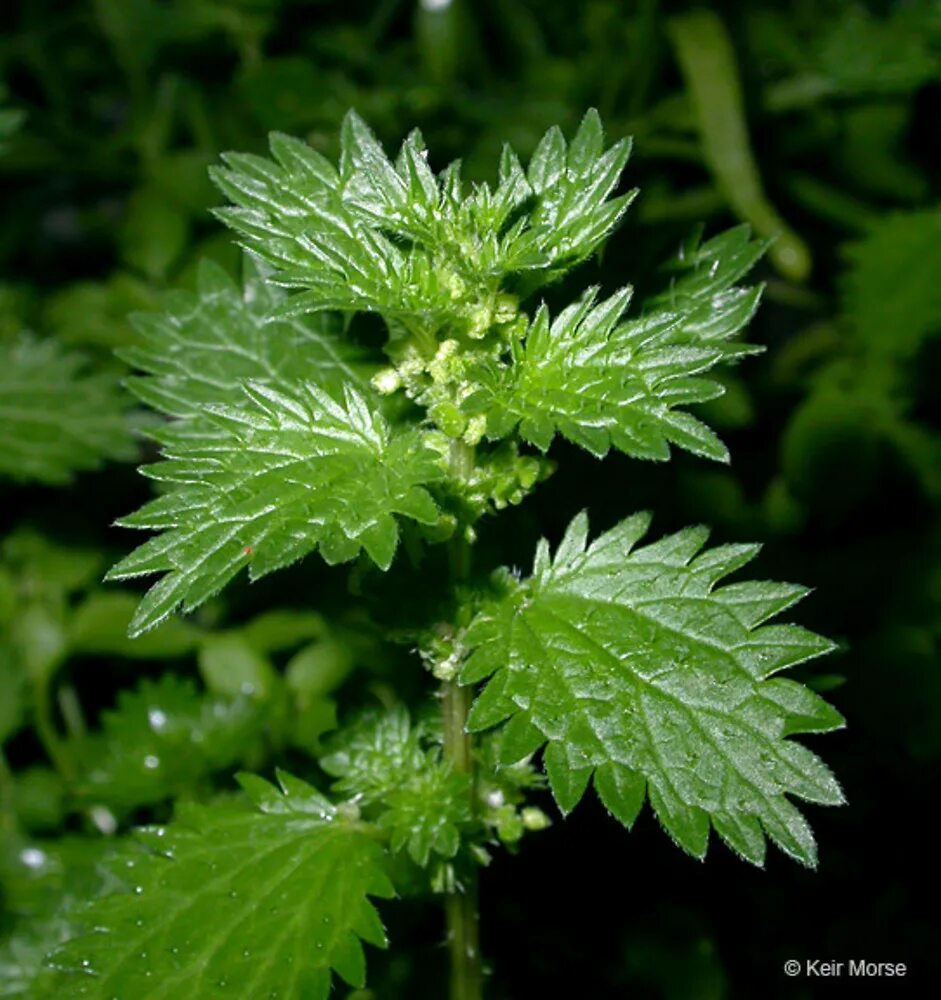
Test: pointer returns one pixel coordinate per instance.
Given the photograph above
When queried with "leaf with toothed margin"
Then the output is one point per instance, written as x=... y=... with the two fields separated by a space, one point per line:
x=205 y=344
x=603 y=380
x=161 y=741
x=234 y=901
x=268 y=479
x=276 y=445
x=635 y=669
x=58 y=417
x=393 y=770
x=395 y=238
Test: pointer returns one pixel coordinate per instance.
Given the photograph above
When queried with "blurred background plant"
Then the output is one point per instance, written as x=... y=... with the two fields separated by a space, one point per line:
x=813 y=120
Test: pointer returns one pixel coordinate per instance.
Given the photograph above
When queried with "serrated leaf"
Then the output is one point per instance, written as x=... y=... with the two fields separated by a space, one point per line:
x=635 y=665
x=56 y=417
x=397 y=240
x=161 y=741
x=234 y=901
x=268 y=458
x=42 y=882
x=602 y=380
x=267 y=483
x=892 y=288
x=385 y=765
x=207 y=344
x=22 y=953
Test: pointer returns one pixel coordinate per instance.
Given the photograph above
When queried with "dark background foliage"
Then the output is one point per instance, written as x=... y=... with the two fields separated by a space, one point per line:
x=112 y=111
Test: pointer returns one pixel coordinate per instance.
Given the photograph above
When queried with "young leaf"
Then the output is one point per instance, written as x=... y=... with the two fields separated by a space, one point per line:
x=634 y=667
x=234 y=901
x=601 y=380
x=394 y=239
x=267 y=459
x=382 y=762
x=55 y=418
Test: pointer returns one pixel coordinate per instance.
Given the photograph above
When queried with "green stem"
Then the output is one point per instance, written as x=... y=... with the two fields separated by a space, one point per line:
x=707 y=59
x=71 y=709
x=7 y=795
x=46 y=731
x=464 y=942
x=461 y=904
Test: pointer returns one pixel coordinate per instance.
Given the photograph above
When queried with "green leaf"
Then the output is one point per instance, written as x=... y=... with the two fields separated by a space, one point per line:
x=311 y=677
x=22 y=954
x=154 y=233
x=39 y=795
x=206 y=345
x=395 y=239
x=56 y=418
x=234 y=901
x=602 y=380
x=267 y=459
x=283 y=629
x=162 y=740
x=99 y=625
x=47 y=569
x=892 y=289
x=277 y=477
x=42 y=882
x=319 y=668
x=861 y=53
x=707 y=58
x=94 y=314
x=230 y=667
x=384 y=764
x=632 y=665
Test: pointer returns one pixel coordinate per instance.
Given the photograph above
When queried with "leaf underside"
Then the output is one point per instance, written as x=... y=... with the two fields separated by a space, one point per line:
x=634 y=669
x=235 y=902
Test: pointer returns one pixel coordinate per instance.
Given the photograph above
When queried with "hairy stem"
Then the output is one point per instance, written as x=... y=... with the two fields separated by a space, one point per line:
x=461 y=904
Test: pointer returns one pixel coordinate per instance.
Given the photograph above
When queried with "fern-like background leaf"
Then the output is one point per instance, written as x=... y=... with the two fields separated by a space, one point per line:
x=57 y=417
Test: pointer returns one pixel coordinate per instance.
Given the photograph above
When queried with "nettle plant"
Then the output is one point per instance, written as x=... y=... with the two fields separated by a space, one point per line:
x=626 y=664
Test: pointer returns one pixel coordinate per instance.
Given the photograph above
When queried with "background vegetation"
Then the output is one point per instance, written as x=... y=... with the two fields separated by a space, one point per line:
x=817 y=120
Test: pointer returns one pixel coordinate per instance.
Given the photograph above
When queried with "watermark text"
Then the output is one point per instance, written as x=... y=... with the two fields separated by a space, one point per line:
x=849 y=968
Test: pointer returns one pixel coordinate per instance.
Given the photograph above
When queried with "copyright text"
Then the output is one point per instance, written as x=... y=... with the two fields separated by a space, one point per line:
x=852 y=968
